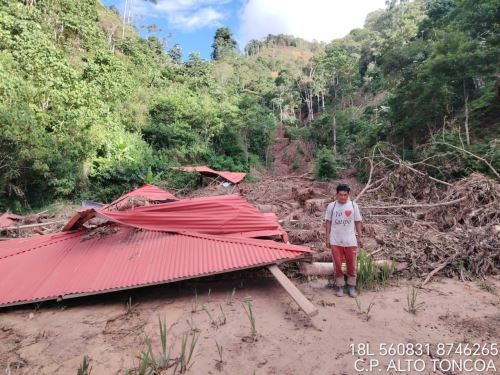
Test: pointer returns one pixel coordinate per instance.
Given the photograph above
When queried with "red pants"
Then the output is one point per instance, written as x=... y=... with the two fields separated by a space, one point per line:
x=338 y=254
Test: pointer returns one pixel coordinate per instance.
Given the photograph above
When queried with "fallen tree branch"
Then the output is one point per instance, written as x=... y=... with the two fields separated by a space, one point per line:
x=368 y=184
x=437 y=269
x=379 y=186
x=474 y=156
x=402 y=163
x=376 y=251
x=418 y=205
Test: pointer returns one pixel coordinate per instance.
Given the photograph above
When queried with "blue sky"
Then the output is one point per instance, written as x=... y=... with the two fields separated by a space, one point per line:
x=192 y=23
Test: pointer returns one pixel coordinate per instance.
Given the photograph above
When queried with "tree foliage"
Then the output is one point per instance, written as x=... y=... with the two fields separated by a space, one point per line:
x=90 y=109
x=87 y=112
x=224 y=43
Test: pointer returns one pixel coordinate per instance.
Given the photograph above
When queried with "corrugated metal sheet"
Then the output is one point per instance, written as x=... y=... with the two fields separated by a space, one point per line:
x=210 y=215
x=151 y=192
x=65 y=265
x=234 y=177
x=220 y=215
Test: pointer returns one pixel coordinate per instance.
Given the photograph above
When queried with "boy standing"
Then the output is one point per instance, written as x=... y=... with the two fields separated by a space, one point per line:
x=343 y=236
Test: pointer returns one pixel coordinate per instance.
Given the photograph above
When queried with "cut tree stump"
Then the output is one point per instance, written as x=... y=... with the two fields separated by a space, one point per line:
x=294 y=292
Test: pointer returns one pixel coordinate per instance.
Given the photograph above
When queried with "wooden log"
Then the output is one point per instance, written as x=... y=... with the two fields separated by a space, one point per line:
x=294 y=292
x=316 y=269
x=326 y=268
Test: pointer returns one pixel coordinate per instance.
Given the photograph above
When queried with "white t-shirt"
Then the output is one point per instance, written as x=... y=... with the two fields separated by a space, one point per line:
x=343 y=216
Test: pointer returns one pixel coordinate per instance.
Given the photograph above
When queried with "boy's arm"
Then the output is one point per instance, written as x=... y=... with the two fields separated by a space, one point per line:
x=359 y=232
x=328 y=225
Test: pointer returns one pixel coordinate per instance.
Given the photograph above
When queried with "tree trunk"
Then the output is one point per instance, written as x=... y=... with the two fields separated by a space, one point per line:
x=312 y=106
x=323 y=101
x=124 y=19
x=334 y=134
x=309 y=102
x=466 y=98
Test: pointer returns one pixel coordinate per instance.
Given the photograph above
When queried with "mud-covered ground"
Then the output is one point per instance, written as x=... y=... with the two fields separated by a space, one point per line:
x=53 y=338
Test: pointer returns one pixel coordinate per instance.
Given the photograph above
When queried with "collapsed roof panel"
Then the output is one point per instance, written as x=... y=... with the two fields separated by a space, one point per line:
x=110 y=258
x=150 y=192
x=233 y=177
x=219 y=215
x=145 y=245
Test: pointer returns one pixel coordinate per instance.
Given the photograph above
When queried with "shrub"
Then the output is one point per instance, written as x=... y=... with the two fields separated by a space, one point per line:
x=326 y=166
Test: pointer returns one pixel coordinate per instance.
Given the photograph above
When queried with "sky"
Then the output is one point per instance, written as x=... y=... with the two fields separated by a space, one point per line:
x=192 y=23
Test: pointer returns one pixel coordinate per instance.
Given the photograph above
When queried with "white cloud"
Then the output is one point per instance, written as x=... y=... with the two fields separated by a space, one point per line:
x=183 y=14
x=186 y=5
x=192 y=21
x=322 y=20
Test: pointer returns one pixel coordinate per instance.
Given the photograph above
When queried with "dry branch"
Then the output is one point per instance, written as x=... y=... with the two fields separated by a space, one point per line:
x=436 y=270
x=368 y=184
x=474 y=156
x=402 y=163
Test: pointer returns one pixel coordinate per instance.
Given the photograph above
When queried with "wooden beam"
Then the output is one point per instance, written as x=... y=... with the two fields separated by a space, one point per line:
x=294 y=292
x=71 y=222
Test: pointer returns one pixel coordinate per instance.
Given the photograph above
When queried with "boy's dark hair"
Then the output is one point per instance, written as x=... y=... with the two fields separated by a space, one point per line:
x=343 y=187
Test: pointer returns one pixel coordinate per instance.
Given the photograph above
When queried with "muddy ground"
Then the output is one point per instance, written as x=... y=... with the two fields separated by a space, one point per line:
x=53 y=338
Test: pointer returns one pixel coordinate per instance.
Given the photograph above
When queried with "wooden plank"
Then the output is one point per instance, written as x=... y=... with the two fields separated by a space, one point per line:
x=72 y=222
x=294 y=292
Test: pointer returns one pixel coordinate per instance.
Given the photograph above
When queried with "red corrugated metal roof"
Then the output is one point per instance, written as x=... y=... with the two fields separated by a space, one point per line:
x=220 y=215
x=66 y=265
x=151 y=192
x=234 y=177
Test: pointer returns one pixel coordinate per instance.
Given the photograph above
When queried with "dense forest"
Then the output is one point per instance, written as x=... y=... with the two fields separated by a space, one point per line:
x=89 y=109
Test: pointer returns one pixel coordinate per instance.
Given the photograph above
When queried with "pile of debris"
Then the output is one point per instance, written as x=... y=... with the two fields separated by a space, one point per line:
x=478 y=204
x=457 y=234
x=17 y=226
x=427 y=226
x=403 y=185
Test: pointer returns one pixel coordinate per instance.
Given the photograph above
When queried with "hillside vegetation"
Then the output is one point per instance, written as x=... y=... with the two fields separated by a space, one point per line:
x=89 y=109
